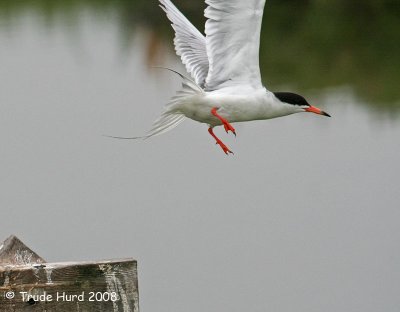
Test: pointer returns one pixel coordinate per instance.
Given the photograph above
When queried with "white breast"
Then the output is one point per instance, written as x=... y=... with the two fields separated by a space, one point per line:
x=235 y=106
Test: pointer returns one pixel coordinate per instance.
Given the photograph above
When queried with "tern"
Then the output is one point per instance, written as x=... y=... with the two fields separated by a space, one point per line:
x=225 y=85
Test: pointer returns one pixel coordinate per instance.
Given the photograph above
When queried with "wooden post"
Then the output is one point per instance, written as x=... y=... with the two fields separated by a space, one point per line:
x=28 y=283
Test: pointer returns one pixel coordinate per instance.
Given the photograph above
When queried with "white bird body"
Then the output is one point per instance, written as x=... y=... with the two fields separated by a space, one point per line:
x=234 y=104
x=225 y=85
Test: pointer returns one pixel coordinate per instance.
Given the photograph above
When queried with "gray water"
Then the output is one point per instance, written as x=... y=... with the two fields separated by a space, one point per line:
x=304 y=217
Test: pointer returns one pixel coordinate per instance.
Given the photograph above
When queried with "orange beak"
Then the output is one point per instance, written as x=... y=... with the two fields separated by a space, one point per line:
x=316 y=110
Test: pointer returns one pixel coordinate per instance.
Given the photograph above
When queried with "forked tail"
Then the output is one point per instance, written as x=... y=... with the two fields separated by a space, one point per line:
x=170 y=117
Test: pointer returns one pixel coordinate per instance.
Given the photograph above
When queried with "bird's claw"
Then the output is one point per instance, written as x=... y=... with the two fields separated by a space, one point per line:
x=226 y=150
x=228 y=127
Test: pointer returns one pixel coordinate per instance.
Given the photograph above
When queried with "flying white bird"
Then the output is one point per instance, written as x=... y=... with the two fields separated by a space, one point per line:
x=224 y=65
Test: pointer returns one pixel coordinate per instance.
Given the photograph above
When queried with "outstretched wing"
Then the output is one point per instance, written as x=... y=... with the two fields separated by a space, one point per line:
x=233 y=40
x=190 y=44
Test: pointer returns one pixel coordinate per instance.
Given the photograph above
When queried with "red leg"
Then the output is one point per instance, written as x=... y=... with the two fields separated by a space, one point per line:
x=227 y=125
x=219 y=142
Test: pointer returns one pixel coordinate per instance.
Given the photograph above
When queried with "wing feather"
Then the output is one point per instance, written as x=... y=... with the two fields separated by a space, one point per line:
x=189 y=43
x=233 y=40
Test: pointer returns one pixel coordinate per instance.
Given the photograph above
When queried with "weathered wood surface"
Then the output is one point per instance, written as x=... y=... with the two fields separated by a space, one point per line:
x=13 y=251
x=101 y=286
